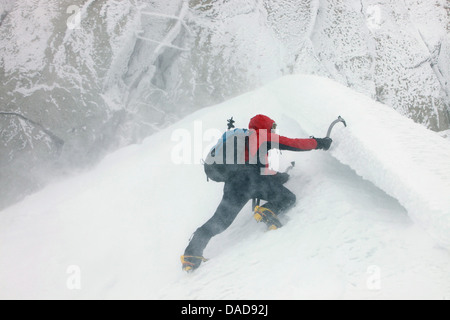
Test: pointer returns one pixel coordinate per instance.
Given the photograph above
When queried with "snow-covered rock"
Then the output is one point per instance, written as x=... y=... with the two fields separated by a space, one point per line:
x=81 y=78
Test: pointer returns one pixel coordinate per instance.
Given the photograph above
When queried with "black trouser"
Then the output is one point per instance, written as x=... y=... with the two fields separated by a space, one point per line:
x=237 y=192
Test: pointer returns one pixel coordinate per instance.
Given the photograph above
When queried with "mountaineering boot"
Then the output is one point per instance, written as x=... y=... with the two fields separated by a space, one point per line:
x=190 y=263
x=268 y=217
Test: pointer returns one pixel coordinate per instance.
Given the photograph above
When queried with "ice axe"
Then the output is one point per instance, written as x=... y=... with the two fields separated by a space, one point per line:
x=340 y=119
x=257 y=201
x=292 y=166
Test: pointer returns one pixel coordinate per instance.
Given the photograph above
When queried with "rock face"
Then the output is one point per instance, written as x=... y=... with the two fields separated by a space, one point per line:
x=80 y=78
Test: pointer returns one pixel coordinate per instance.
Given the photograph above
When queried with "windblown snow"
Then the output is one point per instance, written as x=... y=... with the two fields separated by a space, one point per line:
x=372 y=219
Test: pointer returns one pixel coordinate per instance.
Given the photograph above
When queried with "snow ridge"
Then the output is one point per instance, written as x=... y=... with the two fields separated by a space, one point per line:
x=407 y=161
x=357 y=231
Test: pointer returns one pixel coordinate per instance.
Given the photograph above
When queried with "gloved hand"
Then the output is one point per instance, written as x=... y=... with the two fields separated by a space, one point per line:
x=324 y=143
x=282 y=177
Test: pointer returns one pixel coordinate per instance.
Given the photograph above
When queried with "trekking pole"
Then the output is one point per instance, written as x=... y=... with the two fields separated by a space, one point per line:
x=230 y=123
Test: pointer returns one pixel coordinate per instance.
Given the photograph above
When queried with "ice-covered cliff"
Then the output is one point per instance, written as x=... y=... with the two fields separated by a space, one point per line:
x=80 y=78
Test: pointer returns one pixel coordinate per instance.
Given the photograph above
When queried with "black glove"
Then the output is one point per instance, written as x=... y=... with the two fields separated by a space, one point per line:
x=324 y=143
x=282 y=177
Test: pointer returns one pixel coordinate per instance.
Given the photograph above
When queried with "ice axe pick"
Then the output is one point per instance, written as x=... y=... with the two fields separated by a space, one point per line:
x=340 y=119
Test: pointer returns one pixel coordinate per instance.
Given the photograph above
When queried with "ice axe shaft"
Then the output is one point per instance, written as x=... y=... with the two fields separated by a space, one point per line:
x=340 y=119
x=257 y=201
x=292 y=166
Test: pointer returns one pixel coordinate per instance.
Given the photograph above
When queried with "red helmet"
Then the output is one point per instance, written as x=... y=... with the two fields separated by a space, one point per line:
x=261 y=122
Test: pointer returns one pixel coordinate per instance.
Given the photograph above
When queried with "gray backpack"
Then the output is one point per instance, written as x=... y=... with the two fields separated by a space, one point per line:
x=227 y=156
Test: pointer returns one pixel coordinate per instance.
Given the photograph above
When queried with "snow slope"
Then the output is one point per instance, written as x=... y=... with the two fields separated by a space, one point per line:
x=371 y=222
